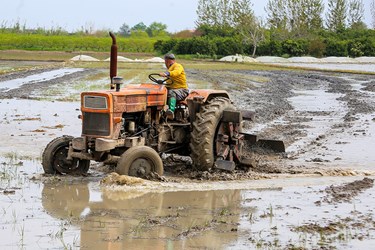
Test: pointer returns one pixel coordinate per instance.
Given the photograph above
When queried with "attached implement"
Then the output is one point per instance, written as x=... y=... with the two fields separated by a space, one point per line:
x=127 y=127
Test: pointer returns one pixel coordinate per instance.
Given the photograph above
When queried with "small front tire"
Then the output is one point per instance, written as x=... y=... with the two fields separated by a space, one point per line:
x=139 y=161
x=54 y=158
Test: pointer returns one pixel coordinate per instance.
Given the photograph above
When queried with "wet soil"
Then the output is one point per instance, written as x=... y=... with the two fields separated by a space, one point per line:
x=347 y=192
x=29 y=88
x=327 y=121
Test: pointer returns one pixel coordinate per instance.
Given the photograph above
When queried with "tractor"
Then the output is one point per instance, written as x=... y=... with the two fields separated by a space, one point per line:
x=126 y=126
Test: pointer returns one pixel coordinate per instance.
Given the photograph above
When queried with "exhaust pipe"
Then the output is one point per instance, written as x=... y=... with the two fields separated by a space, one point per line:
x=113 y=63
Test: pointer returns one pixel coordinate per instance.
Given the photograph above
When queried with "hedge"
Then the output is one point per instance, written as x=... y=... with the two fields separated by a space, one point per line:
x=73 y=43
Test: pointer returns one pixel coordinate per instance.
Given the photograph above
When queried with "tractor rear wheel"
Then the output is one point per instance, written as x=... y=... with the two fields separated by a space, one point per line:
x=205 y=128
x=139 y=161
x=54 y=158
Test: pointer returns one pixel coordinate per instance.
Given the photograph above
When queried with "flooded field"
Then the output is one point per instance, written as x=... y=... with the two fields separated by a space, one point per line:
x=319 y=195
x=369 y=68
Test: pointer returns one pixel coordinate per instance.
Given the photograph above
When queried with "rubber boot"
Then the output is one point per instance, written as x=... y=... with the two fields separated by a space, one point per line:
x=171 y=108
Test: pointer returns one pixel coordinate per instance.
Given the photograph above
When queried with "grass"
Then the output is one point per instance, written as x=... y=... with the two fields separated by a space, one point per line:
x=21 y=233
x=15 y=159
x=269 y=213
x=59 y=235
x=87 y=86
x=62 y=56
x=7 y=174
x=13 y=156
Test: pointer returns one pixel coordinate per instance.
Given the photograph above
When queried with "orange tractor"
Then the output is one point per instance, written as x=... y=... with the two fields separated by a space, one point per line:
x=127 y=127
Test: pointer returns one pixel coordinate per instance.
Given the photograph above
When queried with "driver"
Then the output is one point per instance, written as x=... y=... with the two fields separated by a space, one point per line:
x=177 y=89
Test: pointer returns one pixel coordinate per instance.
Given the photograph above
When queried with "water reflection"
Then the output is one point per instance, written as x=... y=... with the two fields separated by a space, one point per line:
x=171 y=220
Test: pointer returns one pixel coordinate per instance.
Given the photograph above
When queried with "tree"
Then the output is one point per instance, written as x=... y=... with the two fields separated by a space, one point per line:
x=139 y=30
x=252 y=32
x=372 y=9
x=139 y=27
x=156 y=29
x=296 y=16
x=207 y=13
x=216 y=17
x=336 y=15
x=240 y=10
x=277 y=14
x=355 y=13
x=314 y=12
x=124 y=30
x=250 y=28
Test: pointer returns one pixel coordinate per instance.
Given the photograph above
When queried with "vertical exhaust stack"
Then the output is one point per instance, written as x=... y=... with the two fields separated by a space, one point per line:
x=113 y=64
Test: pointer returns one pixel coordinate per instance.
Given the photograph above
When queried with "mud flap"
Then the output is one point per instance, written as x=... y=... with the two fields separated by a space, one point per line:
x=225 y=165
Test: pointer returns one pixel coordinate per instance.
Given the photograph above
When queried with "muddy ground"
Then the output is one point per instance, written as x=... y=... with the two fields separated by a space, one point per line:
x=318 y=195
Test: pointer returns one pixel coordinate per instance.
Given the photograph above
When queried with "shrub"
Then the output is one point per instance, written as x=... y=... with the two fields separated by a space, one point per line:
x=355 y=49
x=317 y=48
x=294 y=47
x=336 y=47
x=368 y=46
x=72 y=43
x=228 y=46
x=165 y=46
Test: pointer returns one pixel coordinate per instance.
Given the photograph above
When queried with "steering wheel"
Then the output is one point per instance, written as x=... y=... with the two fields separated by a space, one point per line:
x=159 y=81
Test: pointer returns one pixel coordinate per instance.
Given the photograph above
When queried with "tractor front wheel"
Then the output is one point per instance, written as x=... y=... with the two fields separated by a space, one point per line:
x=54 y=158
x=139 y=161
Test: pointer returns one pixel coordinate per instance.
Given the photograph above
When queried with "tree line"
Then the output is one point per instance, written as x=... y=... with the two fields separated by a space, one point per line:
x=291 y=28
x=225 y=27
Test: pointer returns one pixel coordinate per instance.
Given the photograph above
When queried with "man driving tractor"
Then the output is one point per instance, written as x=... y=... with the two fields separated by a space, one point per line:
x=176 y=85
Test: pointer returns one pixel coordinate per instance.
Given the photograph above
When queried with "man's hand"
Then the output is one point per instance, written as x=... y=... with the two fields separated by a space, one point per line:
x=163 y=74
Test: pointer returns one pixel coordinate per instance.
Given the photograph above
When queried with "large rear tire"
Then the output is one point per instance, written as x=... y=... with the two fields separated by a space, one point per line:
x=54 y=158
x=205 y=128
x=139 y=161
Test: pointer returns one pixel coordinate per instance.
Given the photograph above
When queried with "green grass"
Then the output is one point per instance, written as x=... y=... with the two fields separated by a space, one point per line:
x=39 y=42
x=61 y=56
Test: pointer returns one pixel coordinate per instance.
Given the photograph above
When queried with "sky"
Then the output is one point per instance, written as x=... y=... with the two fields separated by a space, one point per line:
x=73 y=15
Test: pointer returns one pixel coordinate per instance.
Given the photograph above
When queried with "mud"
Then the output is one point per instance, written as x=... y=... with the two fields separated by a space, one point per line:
x=307 y=110
x=347 y=192
x=327 y=121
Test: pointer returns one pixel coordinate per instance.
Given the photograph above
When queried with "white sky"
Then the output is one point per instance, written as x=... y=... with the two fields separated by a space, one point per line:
x=72 y=15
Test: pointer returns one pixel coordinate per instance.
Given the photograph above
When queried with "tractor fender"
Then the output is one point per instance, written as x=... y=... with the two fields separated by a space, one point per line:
x=199 y=97
x=206 y=94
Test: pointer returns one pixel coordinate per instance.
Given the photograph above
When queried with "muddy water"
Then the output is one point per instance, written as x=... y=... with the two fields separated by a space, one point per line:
x=45 y=76
x=77 y=212
x=28 y=125
x=324 y=113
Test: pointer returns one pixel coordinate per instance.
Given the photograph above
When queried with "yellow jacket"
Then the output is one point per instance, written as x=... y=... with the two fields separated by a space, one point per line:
x=177 y=74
